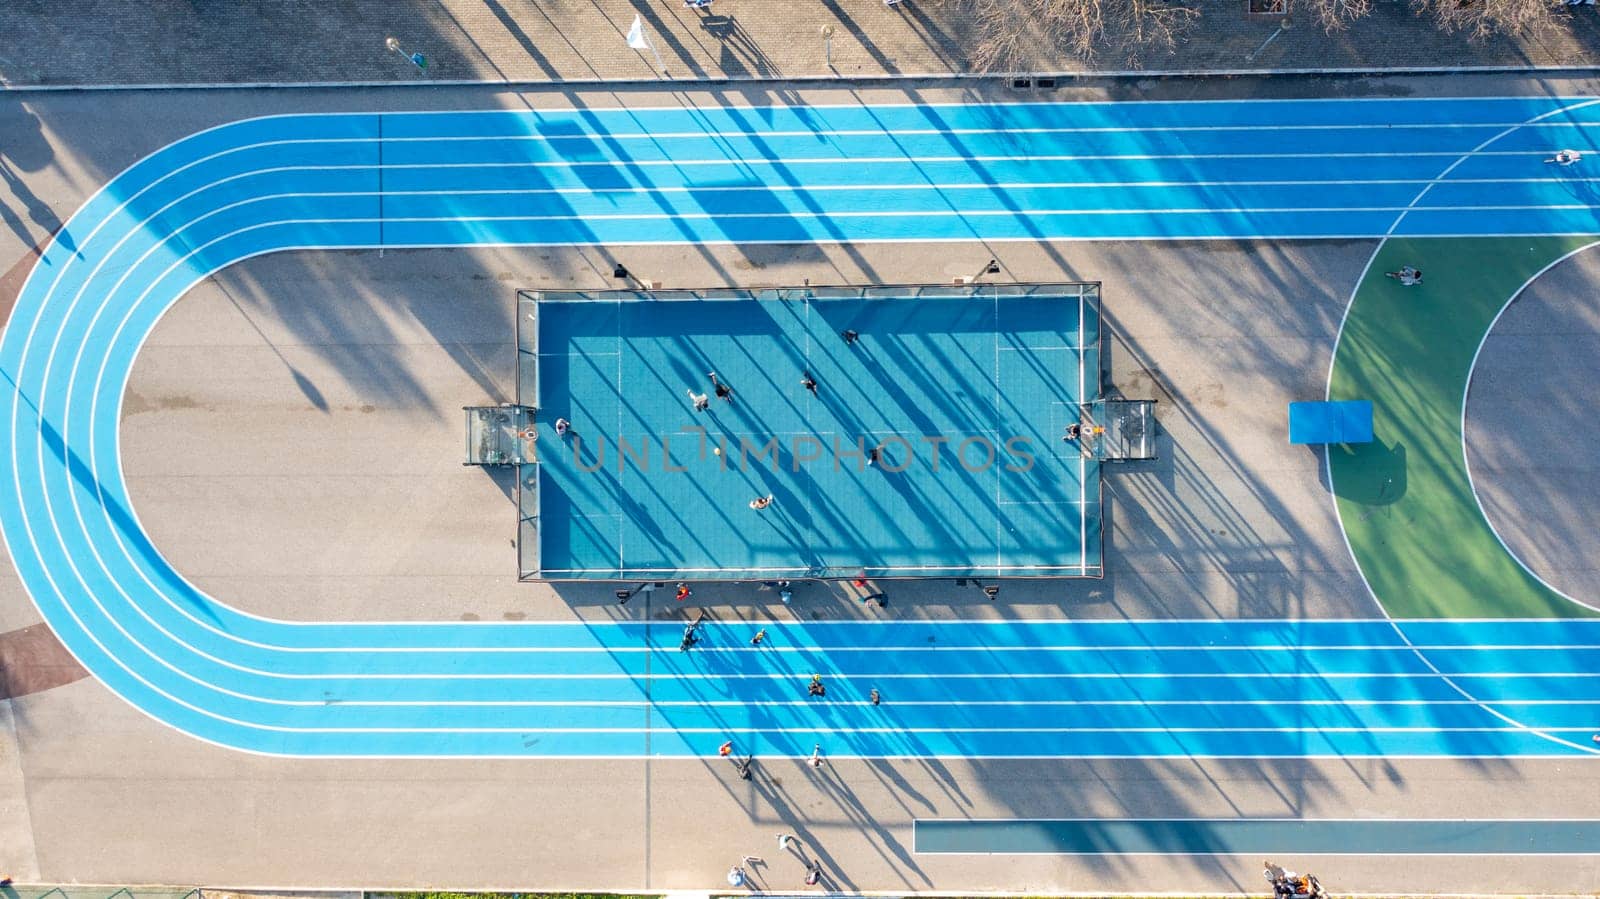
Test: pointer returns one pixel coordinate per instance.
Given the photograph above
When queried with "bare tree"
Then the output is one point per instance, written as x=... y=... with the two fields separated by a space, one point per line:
x=1335 y=15
x=1478 y=19
x=1481 y=19
x=1033 y=35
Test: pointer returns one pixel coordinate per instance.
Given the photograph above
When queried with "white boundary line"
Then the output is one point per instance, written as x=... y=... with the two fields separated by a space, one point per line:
x=1466 y=460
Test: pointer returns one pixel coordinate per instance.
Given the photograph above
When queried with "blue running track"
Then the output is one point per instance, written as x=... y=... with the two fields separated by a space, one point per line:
x=910 y=173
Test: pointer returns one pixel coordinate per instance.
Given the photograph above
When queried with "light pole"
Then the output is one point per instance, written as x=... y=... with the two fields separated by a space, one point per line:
x=827 y=44
x=416 y=59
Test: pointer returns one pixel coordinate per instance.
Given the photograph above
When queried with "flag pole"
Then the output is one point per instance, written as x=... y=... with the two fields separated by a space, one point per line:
x=638 y=40
x=657 y=53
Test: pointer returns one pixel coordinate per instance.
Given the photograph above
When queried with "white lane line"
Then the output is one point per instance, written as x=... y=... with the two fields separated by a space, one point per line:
x=959 y=703
x=651 y=190
x=789 y=214
x=940 y=675
x=941 y=648
x=902 y=730
x=47 y=499
x=114 y=532
x=590 y=136
x=28 y=347
x=998 y=157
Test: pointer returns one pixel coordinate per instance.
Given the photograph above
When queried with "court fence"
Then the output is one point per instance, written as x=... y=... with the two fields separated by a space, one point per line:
x=527 y=493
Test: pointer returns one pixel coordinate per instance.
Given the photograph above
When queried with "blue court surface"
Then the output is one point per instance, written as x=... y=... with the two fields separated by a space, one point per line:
x=684 y=175
x=964 y=394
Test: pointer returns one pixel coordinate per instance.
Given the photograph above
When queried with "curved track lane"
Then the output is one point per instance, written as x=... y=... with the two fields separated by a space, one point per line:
x=1015 y=172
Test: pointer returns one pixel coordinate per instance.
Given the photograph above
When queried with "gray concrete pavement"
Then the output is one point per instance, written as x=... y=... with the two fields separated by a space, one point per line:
x=292 y=440
x=299 y=415
x=110 y=792
x=1531 y=430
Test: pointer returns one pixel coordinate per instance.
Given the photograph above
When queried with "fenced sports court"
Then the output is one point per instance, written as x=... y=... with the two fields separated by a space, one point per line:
x=931 y=446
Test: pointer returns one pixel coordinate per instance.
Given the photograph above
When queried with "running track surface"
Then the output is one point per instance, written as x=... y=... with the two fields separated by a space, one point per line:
x=913 y=173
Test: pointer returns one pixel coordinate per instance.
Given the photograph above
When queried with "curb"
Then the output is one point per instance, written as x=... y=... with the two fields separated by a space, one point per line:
x=890 y=78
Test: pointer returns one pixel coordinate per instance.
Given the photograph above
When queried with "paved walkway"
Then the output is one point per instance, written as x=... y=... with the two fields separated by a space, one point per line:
x=114 y=42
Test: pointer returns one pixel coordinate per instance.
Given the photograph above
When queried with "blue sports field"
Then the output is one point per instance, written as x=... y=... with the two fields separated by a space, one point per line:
x=963 y=395
x=1005 y=172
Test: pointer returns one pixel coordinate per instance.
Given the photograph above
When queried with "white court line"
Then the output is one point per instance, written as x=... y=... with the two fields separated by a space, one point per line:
x=999 y=396
x=1366 y=271
x=1466 y=460
x=1083 y=488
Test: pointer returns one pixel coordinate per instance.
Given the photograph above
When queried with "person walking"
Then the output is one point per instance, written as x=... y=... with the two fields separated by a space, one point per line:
x=815 y=688
x=785 y=842
x=1406 y=275
x=808 y=382
x=816 y=756
x=726 y=749
x=850 y=336
x=760 y=635
x=683 y=592
x=813 y=873
x=562 y=427
x=743 y=767
x=737 y=876
x=874 y=696
x=1565 y=157
x=701 y=401
x=880 y=599
x=723 y=392
x=761 y=502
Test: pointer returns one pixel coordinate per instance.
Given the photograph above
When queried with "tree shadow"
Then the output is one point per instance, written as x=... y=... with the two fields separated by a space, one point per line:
x=25 y=151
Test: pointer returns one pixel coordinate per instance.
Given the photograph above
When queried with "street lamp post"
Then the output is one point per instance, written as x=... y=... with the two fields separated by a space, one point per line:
x=416 y=59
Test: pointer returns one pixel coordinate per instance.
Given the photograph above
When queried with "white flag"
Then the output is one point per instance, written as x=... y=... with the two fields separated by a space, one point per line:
x=636 y=35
